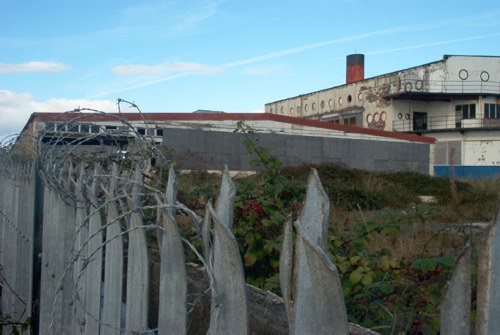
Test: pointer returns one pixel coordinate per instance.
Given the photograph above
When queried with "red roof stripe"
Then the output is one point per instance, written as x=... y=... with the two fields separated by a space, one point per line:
x=95 y=117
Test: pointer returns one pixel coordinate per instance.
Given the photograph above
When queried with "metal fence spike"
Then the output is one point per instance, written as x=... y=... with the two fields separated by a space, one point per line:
x=456 y=305
x=315 y=212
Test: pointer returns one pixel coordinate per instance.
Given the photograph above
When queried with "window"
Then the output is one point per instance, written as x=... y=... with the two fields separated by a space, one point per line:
x=159 y=132
x=73 y=127
x=350 y=121
x=84 y=128
x=491 y=111
x=466 y=111
x=50 y=126
x=110 y=127
x=419 y=120
x=94 y=129
x=141 y=131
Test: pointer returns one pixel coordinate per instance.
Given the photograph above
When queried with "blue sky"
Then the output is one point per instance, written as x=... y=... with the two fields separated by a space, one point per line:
x=226 y=55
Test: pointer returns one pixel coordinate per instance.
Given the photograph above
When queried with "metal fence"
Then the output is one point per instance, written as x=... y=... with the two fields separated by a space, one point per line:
x=93 y=253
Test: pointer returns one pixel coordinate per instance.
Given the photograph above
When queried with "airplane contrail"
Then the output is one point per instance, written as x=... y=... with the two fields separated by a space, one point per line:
x=357 y=37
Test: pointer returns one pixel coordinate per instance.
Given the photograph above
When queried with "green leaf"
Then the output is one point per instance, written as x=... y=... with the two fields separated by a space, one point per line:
x=367 y=280
x=386 y=288
x=250 y=258
x=355 y=277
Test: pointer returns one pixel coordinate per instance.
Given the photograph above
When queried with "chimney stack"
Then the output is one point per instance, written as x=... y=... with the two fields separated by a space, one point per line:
x=355 y=70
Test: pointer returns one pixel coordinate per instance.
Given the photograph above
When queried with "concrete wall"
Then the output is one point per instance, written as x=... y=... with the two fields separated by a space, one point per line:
x=198 y=149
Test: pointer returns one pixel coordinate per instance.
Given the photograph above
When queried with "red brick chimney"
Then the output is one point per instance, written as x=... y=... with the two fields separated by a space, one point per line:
x=355 y=70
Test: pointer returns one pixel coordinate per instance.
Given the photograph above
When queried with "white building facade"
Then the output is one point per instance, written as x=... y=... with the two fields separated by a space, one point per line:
x=455 y=100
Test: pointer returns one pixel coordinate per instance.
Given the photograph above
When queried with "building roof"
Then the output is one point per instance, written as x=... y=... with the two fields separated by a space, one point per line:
x=158 y=117
x=445 y=57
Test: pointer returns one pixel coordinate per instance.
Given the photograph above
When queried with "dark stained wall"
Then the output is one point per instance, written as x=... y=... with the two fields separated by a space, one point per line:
x=199 y=149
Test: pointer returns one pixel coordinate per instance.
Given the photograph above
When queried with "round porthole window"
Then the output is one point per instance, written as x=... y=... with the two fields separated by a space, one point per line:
x=360 y=96
x=349 y=99
x=369 y=118
x=330 y=102
x=313 y=106
x=376 y=117
x=306 y=107
x=282 y=109
x=322 y=104
x=400 y=116
x=383 y=116
x=485 y=76
x=463 y=74
x=298 y=109
x=291 y=110
x=419 y=85
x=340 y=100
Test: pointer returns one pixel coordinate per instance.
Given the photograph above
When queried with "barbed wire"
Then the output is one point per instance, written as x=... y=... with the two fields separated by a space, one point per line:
x=91 y=170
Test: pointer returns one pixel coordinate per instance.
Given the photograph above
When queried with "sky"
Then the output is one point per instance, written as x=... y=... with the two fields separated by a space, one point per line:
x=225 y=55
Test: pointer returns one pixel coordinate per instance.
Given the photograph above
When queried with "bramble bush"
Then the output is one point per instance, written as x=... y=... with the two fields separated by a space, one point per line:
x=393 y=259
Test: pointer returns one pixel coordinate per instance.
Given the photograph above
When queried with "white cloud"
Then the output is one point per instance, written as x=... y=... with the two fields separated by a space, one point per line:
x=33 y=66
x=16 y=108
x=138 y=69
x=179 y=67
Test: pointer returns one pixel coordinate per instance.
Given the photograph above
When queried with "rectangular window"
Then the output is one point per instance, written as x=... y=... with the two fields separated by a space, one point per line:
x=141 y=131
x=94 y=129
x=110 y=127
x=491 y=111
x=84 y=128
x=467 y=111
x=159 y=132
x=73 y=127
x=60 y=126
x=50 y=126
x=351 y=121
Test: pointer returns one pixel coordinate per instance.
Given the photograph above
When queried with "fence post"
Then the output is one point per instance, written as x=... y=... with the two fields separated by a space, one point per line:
x=172 y=318
x=229 y=301
x=488 y=285
x=93 y=259
x=456 y=304
x=113 y=262
x=136 y=319
x=80 y=254
x=317 y=306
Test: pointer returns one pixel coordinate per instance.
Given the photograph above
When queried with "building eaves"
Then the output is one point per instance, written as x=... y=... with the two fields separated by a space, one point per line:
x=159 y=117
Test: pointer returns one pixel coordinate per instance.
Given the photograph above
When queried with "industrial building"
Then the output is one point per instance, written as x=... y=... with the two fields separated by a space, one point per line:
x=454 y=100
x=208 y=141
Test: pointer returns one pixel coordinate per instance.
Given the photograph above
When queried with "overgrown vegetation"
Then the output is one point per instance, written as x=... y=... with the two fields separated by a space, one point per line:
x=394 y=252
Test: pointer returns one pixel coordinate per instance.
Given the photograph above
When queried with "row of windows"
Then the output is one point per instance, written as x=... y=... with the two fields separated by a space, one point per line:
x=314 y=106
x=468 y=111
x=87 y=128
